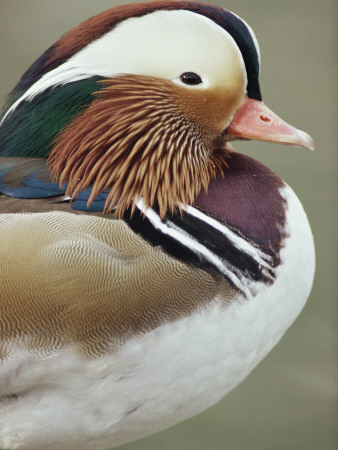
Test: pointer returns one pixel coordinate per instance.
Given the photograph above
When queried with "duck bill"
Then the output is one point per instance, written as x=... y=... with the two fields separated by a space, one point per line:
x=254 y=120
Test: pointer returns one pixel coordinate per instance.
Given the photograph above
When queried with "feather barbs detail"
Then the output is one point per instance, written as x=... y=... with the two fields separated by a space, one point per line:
x=137 y=139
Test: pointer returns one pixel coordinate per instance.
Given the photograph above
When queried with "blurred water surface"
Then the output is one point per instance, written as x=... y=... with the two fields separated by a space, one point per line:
x=289 y=401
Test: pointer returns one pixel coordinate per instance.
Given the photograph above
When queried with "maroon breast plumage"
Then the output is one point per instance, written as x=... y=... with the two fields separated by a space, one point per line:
x=146 y=267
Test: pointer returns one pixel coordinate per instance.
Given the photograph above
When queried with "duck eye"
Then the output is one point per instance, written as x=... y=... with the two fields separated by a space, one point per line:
x=190 y=78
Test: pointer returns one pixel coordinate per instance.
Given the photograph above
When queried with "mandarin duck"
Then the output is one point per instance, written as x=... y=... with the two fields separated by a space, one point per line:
x=146 y=267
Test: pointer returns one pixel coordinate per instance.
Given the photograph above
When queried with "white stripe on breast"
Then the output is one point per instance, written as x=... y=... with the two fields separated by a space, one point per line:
x=246 y=285
x=162 y=377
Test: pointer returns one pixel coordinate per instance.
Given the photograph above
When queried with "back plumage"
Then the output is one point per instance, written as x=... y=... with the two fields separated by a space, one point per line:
x=146 y=266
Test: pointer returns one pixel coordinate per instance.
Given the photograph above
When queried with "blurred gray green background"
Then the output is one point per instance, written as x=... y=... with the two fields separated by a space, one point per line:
x=290 y=400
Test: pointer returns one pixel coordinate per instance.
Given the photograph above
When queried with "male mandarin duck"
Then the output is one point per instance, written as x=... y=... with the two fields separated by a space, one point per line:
x=146 y=267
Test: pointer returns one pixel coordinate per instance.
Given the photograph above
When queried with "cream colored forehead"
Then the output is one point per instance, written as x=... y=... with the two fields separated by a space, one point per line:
x=161 y=44
x=167 y=44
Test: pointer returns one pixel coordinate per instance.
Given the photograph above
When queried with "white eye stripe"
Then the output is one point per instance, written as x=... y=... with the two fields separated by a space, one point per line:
x=163 y=44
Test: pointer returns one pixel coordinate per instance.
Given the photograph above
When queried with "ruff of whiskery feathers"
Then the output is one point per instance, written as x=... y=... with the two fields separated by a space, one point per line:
x=113 y=325
x=141 y=138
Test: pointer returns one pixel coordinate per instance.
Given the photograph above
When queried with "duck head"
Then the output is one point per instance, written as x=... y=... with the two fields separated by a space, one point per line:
x=142 y=101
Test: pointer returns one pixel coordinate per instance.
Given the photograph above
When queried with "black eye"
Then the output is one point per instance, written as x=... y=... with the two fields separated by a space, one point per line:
x=190 y=78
